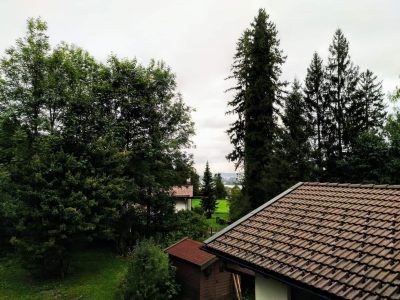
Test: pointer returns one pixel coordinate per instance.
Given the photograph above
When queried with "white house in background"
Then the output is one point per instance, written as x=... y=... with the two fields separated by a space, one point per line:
x=183 y=195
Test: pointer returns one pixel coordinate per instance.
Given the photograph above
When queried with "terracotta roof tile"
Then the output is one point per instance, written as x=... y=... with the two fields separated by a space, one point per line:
x=182 y=191
x=343 y=239
x=189 y=250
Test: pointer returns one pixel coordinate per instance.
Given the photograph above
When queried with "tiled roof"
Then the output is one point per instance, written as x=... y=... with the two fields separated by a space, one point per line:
x=338 y=239
x=182 y=191
x=189 y=250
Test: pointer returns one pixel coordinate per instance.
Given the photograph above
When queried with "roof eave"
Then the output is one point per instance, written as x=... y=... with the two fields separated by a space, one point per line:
x=274 y=275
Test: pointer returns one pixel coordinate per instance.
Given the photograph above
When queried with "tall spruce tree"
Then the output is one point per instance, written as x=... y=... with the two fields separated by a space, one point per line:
x=371 y=112
x=256 y=69
x=296 y=136
x=316 y=107
x=342 y=95
x=208 y=201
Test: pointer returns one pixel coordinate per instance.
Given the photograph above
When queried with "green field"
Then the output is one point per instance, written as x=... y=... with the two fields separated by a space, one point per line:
x=222 y=211
x=94 y=275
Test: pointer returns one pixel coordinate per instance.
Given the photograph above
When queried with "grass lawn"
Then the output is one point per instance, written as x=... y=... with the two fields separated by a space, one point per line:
x=222 y=211
x=94 y=275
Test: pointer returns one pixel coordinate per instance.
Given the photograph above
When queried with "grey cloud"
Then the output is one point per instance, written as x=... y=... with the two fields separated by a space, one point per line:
x=198 y=39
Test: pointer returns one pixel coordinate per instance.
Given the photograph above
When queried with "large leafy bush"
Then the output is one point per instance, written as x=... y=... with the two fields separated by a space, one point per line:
x=149 y=275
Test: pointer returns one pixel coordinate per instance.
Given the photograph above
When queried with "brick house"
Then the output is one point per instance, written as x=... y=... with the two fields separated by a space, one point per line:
x=201 y=275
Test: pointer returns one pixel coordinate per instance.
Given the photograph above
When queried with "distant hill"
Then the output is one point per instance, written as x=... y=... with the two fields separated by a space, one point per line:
x=229 y=178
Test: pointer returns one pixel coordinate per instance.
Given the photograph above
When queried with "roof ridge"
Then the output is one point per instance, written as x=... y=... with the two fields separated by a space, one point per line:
x=354 y=185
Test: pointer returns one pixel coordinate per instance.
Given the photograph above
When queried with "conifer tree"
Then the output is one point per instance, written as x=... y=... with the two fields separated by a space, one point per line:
x=296 y=136
x=256 y=69
x=371 y=113
x=341 y=92
x=220 y=191
x=208 y=201
x=316 y=107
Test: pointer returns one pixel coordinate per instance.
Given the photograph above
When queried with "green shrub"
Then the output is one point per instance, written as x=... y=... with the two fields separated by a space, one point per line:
x=198 y=210
x=188 y=224
x=149 y=275
x=8 y=219
x=220 y=221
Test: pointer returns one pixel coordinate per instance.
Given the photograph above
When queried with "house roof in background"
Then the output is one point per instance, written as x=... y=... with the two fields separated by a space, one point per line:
x=182 y=191
x=337 y=239
x=189 y=250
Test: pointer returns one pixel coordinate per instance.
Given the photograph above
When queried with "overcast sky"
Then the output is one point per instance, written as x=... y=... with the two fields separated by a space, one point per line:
x=197 y=40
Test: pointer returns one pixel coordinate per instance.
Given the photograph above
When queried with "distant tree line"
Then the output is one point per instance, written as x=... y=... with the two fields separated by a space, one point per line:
x=333 y=127
x=88 y=150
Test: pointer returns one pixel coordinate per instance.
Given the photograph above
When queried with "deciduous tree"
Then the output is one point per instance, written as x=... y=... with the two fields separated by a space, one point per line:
x=85 y=145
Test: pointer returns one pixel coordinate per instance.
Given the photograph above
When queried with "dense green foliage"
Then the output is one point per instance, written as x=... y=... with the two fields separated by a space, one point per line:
x=149 y=275
x=375 y=155
x=238 y=206
x=335 y=128
x=188 y=224
x=95 y=274
x=208 y=200
x=89 y=151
